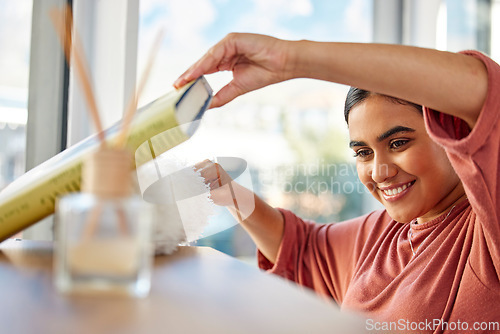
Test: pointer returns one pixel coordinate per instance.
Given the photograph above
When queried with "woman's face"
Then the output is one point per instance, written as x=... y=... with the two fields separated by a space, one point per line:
x=398 y=162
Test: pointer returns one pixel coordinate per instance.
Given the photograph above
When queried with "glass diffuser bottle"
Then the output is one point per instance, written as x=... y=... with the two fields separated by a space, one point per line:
x=104 y=233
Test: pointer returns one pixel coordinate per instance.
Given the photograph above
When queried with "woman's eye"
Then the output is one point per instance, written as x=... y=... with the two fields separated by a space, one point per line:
x=398 y=143
x=362 y=153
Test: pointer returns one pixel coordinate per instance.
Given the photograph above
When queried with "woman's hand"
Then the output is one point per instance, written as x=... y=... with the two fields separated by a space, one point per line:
x=255 y=60
x=219 y=181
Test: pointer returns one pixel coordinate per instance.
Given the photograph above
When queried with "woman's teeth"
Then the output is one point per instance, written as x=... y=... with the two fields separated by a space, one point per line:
x=395 y=191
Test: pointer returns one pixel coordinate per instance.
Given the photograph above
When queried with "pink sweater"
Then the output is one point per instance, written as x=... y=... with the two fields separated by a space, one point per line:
x=452 y=284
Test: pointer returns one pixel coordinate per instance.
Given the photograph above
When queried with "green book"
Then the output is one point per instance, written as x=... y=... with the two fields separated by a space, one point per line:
x=156 y=128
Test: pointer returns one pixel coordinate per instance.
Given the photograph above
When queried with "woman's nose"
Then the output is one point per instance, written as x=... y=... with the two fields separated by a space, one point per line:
x=382 y=169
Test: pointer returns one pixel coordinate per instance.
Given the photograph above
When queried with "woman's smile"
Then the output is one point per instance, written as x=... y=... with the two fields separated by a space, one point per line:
x=395 y=192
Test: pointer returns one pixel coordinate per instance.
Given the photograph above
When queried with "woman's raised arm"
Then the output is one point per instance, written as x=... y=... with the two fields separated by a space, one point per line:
x=452 y=83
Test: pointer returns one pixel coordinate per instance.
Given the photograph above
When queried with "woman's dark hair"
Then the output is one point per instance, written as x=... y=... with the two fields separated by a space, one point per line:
x=357 y=95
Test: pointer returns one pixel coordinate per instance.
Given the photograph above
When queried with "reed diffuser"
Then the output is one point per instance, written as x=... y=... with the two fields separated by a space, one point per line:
x=104 y=232
x=104 y=241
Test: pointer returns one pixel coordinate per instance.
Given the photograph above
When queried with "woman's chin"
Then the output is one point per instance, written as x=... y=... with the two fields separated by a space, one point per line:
x=402 y=218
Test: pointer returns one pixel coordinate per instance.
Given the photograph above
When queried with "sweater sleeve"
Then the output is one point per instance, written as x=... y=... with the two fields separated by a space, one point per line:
x=322 y=257
x=475 y=156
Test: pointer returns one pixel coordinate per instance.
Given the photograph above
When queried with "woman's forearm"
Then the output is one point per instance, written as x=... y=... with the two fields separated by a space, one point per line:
x=452 y=83
x=262 y=222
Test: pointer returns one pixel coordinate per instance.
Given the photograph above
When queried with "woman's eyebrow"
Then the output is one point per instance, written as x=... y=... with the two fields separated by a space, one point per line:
x=393 y=131
x=354 y=143
x=385 y=135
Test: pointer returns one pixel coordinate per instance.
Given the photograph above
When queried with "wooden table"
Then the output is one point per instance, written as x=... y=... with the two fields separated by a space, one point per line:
x=195 y=290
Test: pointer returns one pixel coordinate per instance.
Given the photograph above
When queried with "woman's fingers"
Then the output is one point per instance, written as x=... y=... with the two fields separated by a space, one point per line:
x=215 y=176
x=208 y=171
x=218 y=181
x=226 y=94
x=206 y=65
x=202 y=164
x=214 y=60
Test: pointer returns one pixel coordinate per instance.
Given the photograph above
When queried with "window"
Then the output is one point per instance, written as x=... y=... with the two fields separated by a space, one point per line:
x=292 y=135
x=15 y=35
x=469 y=24
x=495 y=30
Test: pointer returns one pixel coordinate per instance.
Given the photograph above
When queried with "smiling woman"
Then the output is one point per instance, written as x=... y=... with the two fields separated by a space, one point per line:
x=432 y=253
x=398 y=162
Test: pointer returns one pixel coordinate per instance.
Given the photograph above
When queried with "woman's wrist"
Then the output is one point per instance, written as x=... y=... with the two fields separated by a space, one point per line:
x=295 y=63
x=242 y=200
x=307 y=59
